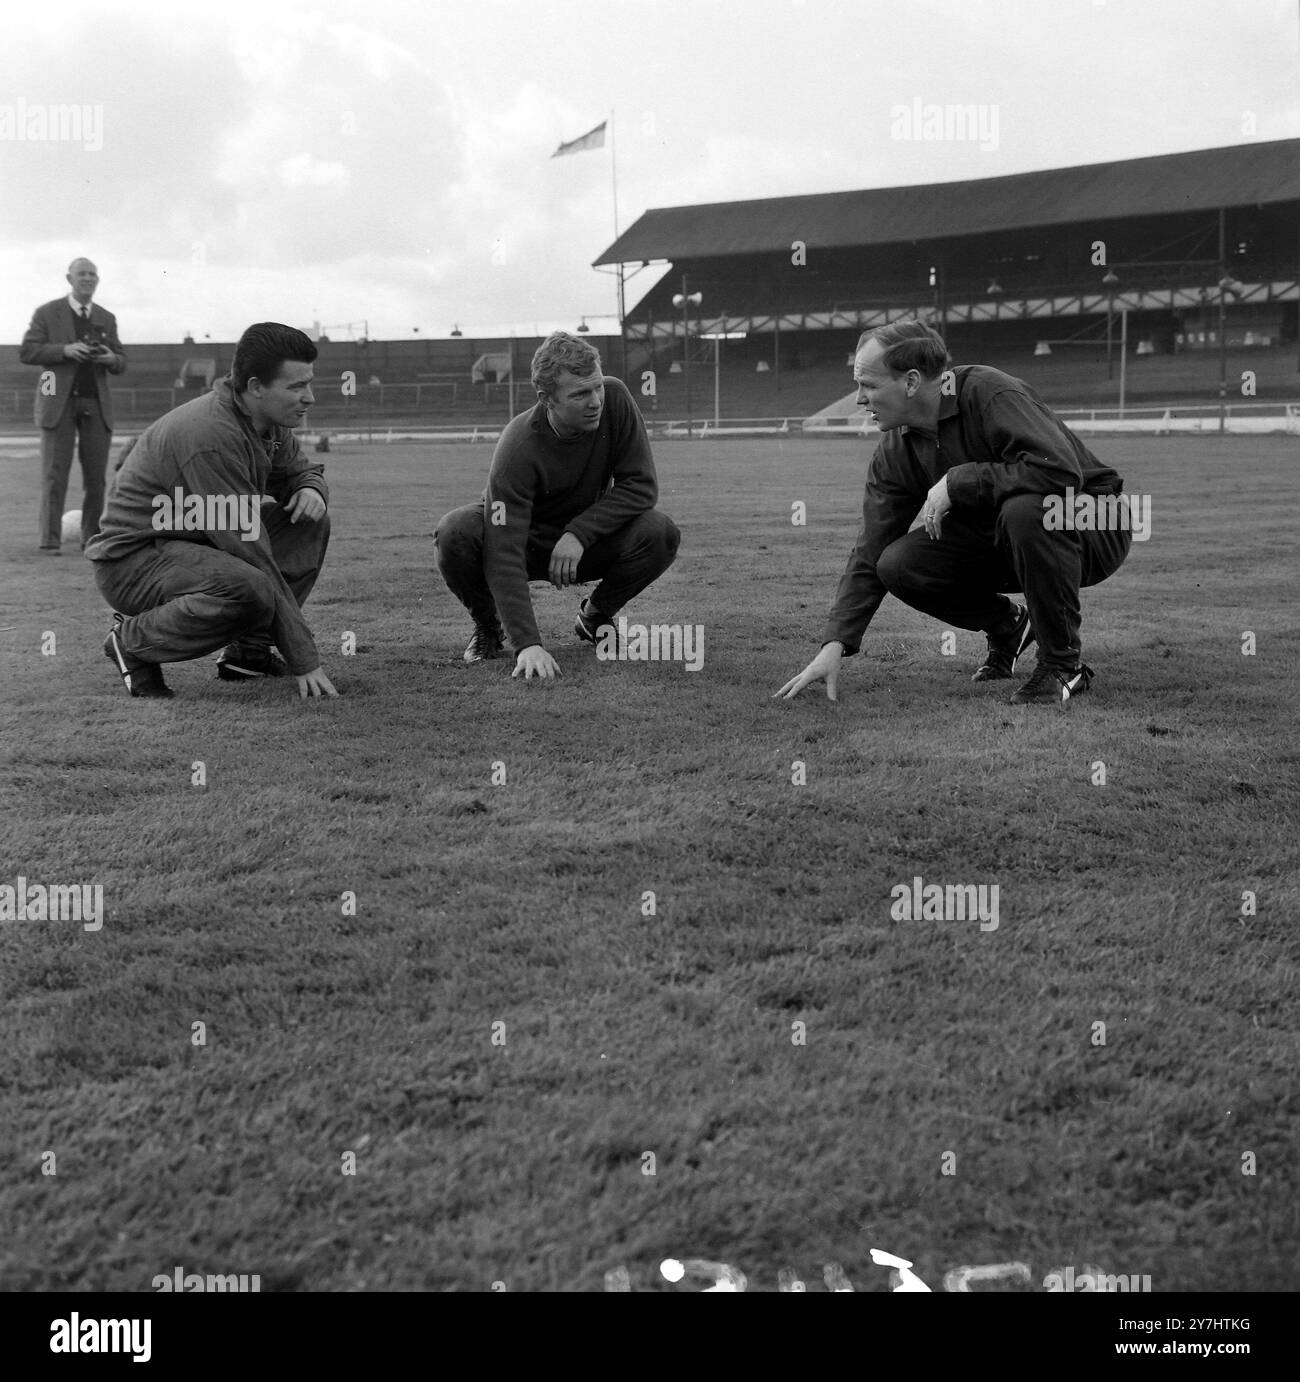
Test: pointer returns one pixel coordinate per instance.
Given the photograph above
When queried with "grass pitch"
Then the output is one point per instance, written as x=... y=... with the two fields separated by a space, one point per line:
x=509 y=1035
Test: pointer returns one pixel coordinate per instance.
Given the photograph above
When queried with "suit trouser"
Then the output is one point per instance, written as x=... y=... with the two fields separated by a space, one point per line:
x=624 y=563
x=958 y=576
x=82 y=427
x=187 y=599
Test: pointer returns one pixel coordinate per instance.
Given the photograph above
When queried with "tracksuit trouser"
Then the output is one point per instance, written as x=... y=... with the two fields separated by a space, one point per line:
x=186 y=599
x=960 y=577
x=624 y=563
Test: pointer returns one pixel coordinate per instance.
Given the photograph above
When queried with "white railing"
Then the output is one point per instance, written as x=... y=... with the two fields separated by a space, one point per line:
x=1189 y=417
x=725 y=427
x=353 y=432
x=1161 y=420
x=1240 y=418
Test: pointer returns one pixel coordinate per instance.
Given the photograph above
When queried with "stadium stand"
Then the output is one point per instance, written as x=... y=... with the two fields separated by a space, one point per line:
x=1067 y=379
x=1013 y=269
x=419 y=382
x=1010 y=268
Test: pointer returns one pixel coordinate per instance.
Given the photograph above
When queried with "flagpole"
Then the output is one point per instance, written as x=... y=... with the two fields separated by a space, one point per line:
x=613 y=167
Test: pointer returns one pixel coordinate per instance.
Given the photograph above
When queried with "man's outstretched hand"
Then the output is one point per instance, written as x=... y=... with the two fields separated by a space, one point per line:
x=535 y=661
x=312 y=684
x=826 y=664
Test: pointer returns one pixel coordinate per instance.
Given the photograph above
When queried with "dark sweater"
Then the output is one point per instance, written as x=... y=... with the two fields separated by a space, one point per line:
x=996 y=438
x=590 y=485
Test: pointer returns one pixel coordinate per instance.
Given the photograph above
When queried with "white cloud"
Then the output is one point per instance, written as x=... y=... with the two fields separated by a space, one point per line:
x=379 y=56
x=302 y=170
x=364 y=162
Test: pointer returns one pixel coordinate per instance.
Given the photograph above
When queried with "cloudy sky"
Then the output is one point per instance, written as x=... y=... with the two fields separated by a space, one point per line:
x=390 y=161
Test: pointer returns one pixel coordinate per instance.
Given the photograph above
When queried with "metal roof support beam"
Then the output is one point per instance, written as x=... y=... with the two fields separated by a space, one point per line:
x=1041 y=308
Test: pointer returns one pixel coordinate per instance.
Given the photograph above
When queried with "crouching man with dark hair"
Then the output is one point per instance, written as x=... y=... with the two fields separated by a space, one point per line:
x=981 y=459
x=570 y=498
x=215 y=528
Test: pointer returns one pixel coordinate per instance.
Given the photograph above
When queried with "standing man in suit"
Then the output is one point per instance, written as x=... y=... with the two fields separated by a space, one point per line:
x=73 y=342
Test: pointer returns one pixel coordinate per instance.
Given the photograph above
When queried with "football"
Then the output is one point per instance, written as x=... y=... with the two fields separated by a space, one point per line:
x=72 y=525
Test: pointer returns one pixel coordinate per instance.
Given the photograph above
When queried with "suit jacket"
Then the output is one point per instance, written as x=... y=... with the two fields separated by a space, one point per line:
x=55 y=325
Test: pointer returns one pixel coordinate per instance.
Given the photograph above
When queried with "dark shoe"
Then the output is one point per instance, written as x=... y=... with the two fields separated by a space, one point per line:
x=248 y=662
x=51 y=551
x=589 y=623
x=1052 y=685
x=487 y=642
x=1005 y=647
x=143 y=679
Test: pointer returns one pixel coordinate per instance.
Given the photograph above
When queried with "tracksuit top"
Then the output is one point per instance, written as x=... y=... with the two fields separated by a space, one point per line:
x=210 y=447
x=996 y=438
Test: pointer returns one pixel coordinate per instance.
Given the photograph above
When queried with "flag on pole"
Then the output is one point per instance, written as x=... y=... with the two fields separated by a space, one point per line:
x=593 y=139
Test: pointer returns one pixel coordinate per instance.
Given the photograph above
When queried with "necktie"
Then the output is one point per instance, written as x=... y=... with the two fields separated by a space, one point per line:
x=85 y=373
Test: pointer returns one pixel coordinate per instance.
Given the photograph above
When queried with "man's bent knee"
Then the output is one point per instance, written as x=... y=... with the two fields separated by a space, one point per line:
x=658 y=530
x=461 y=529
x=1022 y=515
x=249 y=592
x=891 y=567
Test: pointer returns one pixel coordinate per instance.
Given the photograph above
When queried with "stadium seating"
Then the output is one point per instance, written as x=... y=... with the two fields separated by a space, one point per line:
x=426 y=384
x=1071 y=377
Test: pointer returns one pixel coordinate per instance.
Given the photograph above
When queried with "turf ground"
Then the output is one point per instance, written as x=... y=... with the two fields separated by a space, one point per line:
x=806 y=1077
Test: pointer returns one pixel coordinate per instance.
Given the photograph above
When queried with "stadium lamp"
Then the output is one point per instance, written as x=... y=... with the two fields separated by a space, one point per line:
x=583 y=327
x=717 y=337
x=456 y=331
x=686 y=301
x=1227 y=286
x=936 y=274
x=1110 y=282
x=994 y=290
x=1042 y=348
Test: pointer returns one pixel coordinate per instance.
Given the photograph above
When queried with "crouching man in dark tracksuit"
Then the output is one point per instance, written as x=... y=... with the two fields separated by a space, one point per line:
x=570 y=498
x=990 y=470
x=215 y=528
